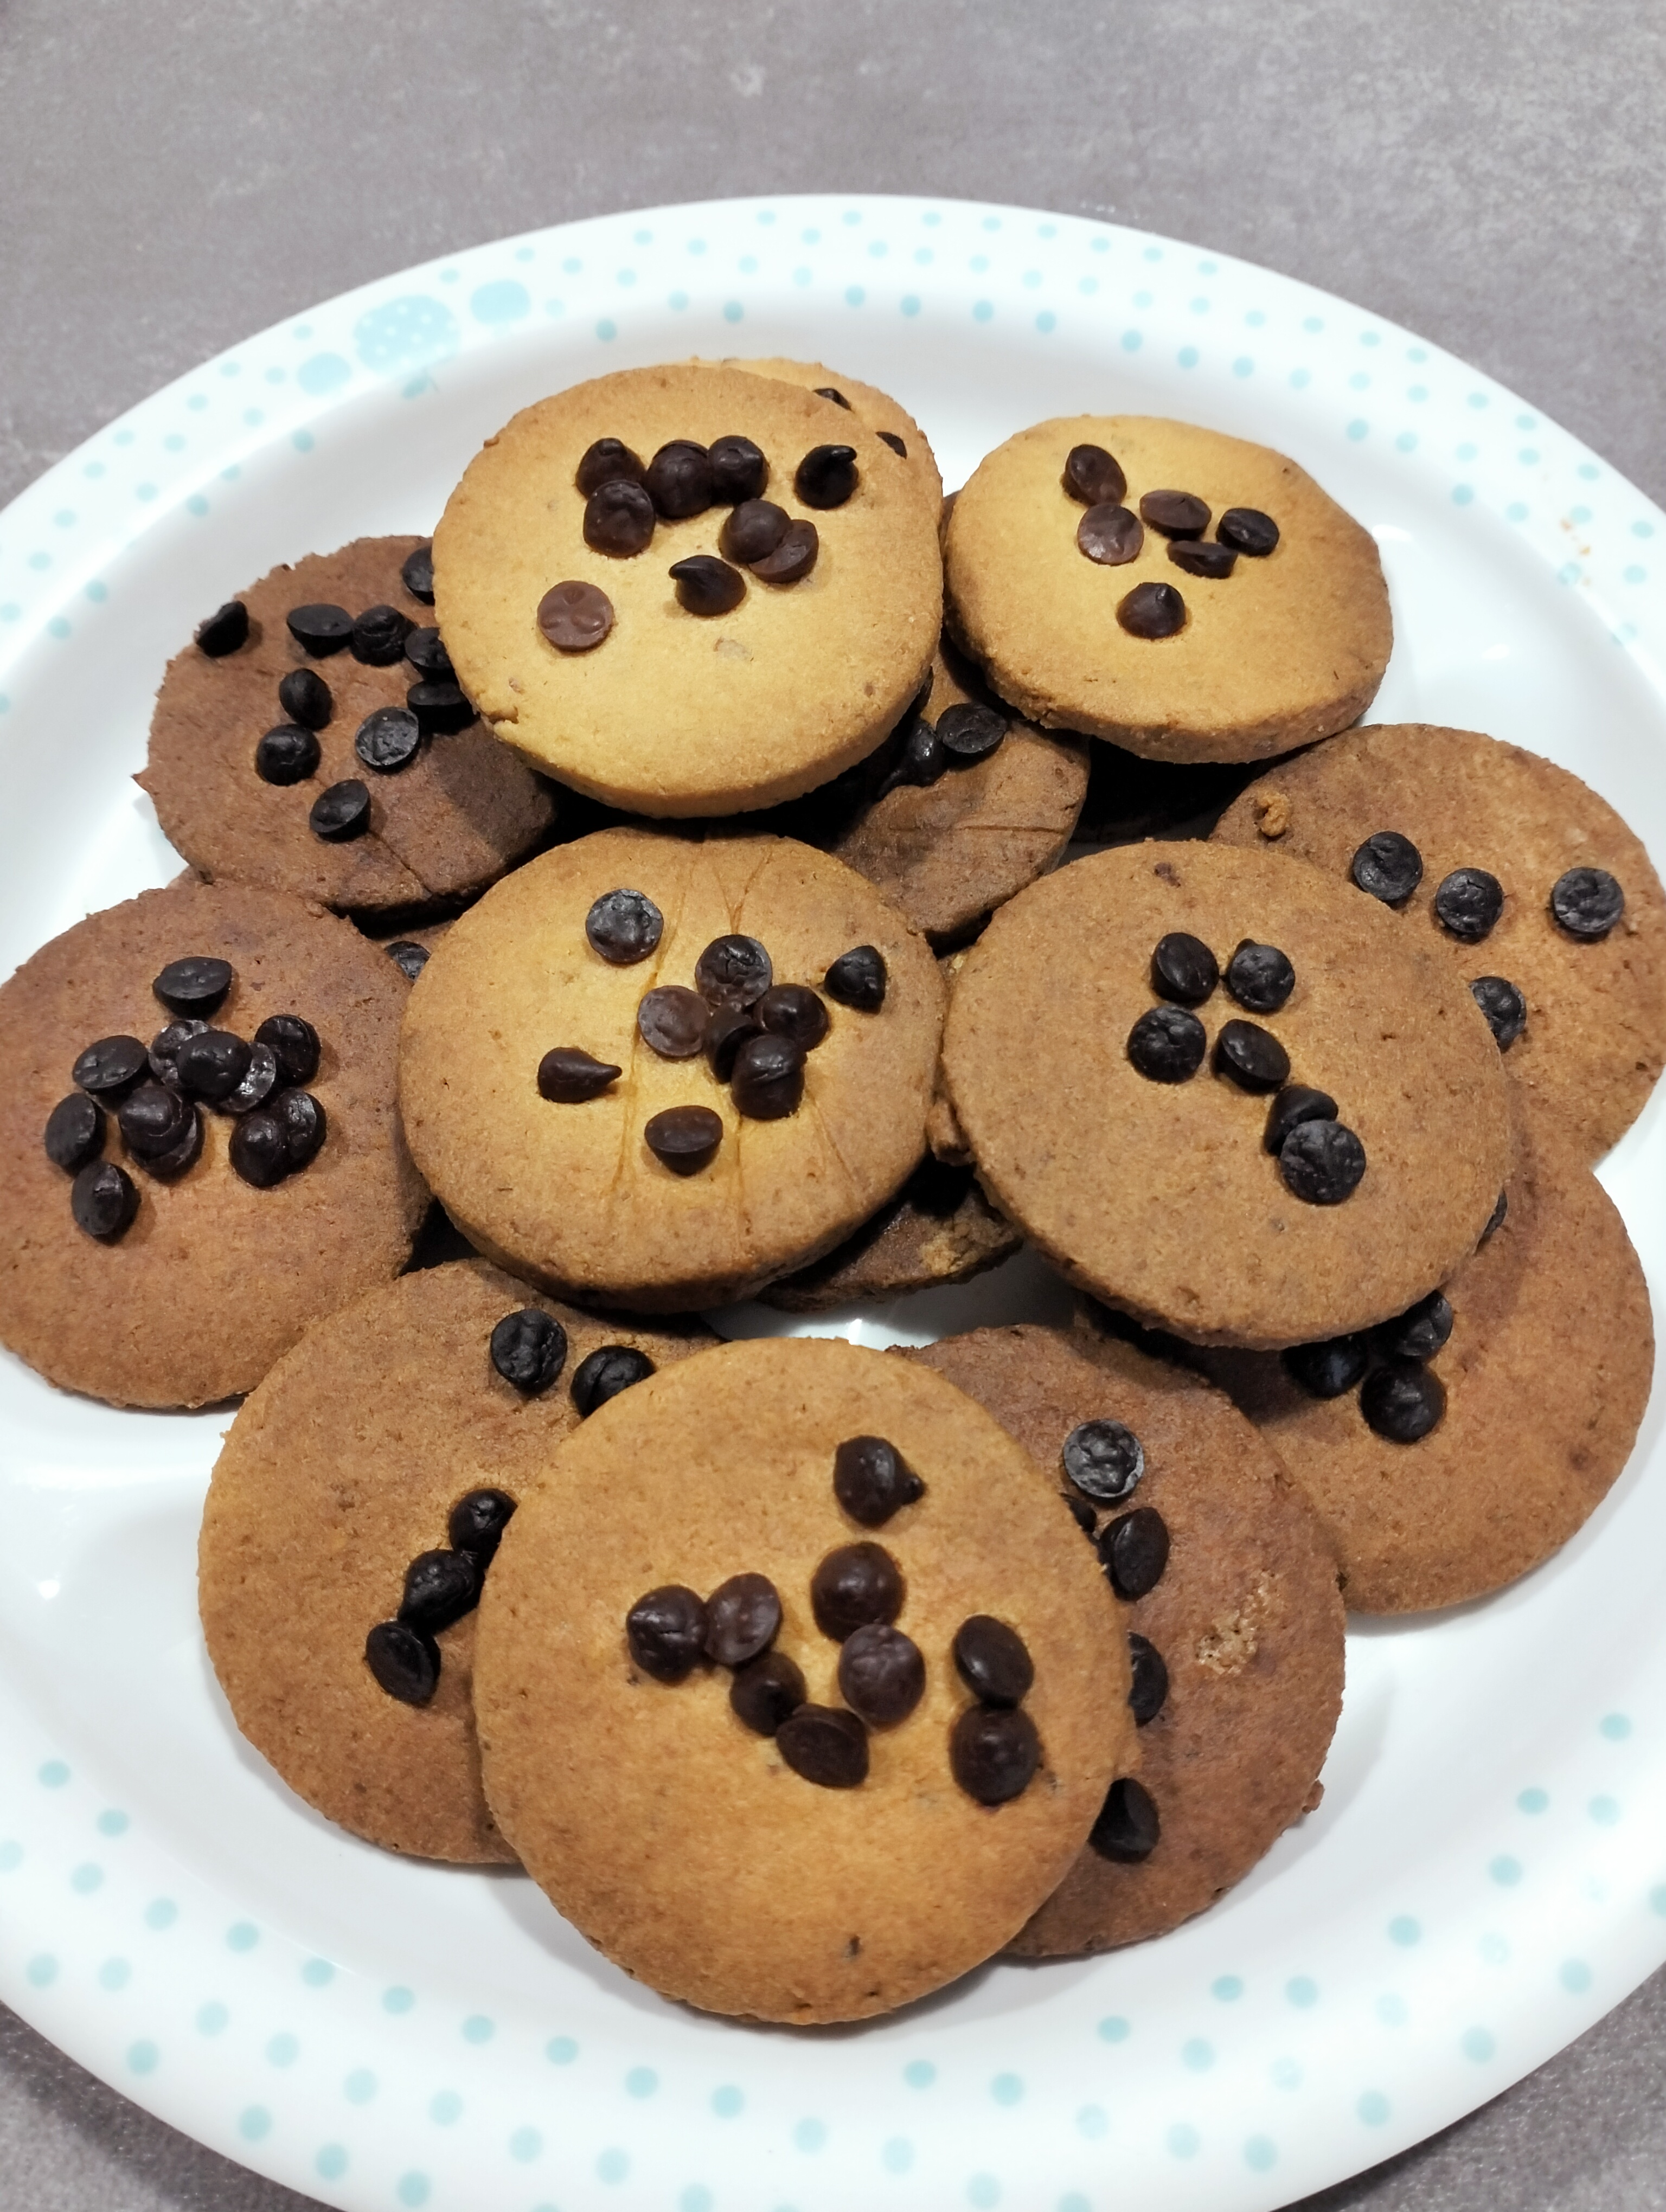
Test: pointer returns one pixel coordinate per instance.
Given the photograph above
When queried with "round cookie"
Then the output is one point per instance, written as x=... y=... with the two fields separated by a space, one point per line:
x=1545 y=1378
x=1596 y=1009
x=448 y=822
x=674 y=713
x=339 y=1470
x=570 y=1193
x=939 y=1229
x=783 y=1899
x=1245 y=1616
x=873 y=409
x=1160 y=1194
x=214 y=1278
x=1289 y=646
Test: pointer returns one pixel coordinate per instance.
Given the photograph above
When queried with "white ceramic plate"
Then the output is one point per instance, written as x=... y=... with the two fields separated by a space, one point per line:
x=1487 y=1874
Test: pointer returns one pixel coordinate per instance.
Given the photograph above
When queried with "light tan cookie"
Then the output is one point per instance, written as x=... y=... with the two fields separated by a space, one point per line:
x=674 y=712
x=448 y=822
x=1535 y=1396
x=1289 y=646
x=213 y=1277
x=1239 y=1690
x=1594 y=1007
x=939 y=1229
x=784 y=1898
x=351 y=1461
x=873 y=409
x=570 y=1191
x=1159 y=1192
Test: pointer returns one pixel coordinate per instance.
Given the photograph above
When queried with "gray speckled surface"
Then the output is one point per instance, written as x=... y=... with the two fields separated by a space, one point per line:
x=177 y=173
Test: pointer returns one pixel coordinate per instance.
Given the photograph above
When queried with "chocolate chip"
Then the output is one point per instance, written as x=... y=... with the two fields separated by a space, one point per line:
x=305 y=698
x=794 y=1011
x=75 y=1132
x=212 y=1064
x=1327 y=1370
x=388 y=739
x=854 y=1585
x=1152 y=611
x=425 y=650
x=920 y=759
x=1104 y=1460
x=1175 y=513
x=1469 y=903
x=795 y=555
x=1403 y=1401
x=824 y=1745
x=604 y=1372
x=1091 y=475
x=1388 y=866
x=889 y=438
x=1134 y=1550
x=260 y=1081
x=624 y=926
x=1295 y=1103
x=1167 y=1045
x=685 y=1139
x=726 y=1031
x=970 y=734
x=1495 y=1220
x=1419 y=1332
x=858 y=979
x=733 y=971
x=679 y=479
x=671 y=1021
x=103 y=1200
x=1148 y=1689
x=1184 y=968
x=1247 y=530
x=872 y=1480
x=665 y=1629
x=706 y=585
x=826 y=476
x=1215 y=563
x=341 y=812
x=568 y=1076
x=1127 y=1829
x=1321 y=1162
x=404 y=1661
x=439 y=1588
x=476 y=1524
x=320 y=628
x=767 y=1081
x=1083 y=1515
x=260 y=1153
x=574 y=616
x=379 y=636
x=225 y=628
x=529 y=1350
x=302 y=1123
x=1504 y=1005
x=993 y=1660
x=740 y=471
x=194 y=986
x=1259 y=977
x=766 y=1692
x=882 y=1674
x=609 y=460
x=993 y=1754
x=1587 y=902
x=756 y=527
x=110 y=1066
x=742 y=1617
x=294 y=1045
x=417 y=573
x=830 y=392
x=441 y=710
x=167 y=1046
x=286 y=755
x=1251 y=1056
x=1112 y=535
x=618 y=518
x=167 y=1166
x=154 y=1121
x=409 y=957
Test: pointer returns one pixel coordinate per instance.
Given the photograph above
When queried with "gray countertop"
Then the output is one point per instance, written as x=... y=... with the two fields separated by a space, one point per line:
x=175 y=175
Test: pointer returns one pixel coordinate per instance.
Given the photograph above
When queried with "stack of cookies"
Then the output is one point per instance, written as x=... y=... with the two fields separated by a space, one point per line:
x=653 y=882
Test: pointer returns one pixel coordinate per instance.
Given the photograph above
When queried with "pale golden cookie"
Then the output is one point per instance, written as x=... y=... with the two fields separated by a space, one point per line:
x=873 y=409
x=1289 y=647
x=682 y=1842
x=341 y=1468
x=570 y=1193
x=674 y=713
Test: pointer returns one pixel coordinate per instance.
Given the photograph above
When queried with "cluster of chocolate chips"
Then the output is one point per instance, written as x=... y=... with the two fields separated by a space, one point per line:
x=157 y=1091
x=439 y=1588
x=1401 y=1396
x=1103 y=1462
x=1113 y=535
x=754 y=1034
x=528 y=1349
x=625 y=498
x=921 y=751
x=1320 y=1158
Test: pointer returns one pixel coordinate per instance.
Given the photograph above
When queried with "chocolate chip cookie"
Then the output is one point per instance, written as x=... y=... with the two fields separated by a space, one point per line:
x=875 y=410
x=939 y=1228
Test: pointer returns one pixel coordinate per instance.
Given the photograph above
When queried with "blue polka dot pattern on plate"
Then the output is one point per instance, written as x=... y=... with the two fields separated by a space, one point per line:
x=330 y=2161
x=398 y=1999
x=413 y=2188
x=612 y=2165
x=1302 y=1990
x=983 y=2191
x=1477 y=2042
x=525 y=2144
x=1183 y=2140
x=897 y=2155
x=809 y=2135
x=41 y=1971
x=1404 y=1930
x=920 y=2073
x=1114 y=2029
x=1006 y=2089
x=359 y=2087
x=408 y=332
x=561 y=2051
x=641 y=2082
x=503 y=300
x=325 y=372
x=1260 y=2153
x=1373 y=2108
x=1574 y=1976
x=726 y=2102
